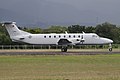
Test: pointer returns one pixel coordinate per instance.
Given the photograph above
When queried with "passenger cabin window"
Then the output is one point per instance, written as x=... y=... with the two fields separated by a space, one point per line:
x=59 y=36
x=49 y=36
x=69 y=36
x=54 y=36
x=44 y=36
x=78 y=36
x=74 y=36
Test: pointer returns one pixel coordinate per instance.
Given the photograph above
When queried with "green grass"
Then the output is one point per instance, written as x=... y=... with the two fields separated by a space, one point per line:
x=83 y=67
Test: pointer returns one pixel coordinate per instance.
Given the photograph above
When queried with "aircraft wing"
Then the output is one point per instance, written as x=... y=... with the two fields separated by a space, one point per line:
x=72 y=41
x=64 y=42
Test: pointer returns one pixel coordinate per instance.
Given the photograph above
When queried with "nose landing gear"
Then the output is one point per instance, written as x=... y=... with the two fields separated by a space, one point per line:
x=110 y=47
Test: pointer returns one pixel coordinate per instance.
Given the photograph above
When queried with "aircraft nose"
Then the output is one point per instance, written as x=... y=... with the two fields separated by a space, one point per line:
x=110 y=41
x=107 y=41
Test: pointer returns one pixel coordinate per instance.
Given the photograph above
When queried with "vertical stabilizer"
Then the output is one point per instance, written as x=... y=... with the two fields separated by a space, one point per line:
x=13 y=29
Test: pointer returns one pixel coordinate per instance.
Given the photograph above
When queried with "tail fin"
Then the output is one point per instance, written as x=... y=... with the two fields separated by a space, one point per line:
x=13 y=29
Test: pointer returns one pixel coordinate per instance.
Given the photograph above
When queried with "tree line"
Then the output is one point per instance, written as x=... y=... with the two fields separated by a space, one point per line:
x=106 y=29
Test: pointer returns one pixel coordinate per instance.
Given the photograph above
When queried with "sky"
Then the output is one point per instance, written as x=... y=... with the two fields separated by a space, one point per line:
x=102 y=10
x=102 y=6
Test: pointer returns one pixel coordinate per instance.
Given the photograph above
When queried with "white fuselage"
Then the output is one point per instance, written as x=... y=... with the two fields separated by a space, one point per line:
x=52 y=39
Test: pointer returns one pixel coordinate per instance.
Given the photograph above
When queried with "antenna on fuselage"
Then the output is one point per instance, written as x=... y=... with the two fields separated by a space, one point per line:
x=66 y=32
x=83 y=32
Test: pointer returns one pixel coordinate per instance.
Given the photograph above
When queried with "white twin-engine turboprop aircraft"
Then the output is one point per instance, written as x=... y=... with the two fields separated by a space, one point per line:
x=55 y=39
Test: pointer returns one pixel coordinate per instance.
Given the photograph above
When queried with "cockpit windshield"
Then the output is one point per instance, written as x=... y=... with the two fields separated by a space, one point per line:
x=95 y=36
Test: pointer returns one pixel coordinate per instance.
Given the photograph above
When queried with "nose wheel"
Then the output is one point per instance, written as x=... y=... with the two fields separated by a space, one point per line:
x=110 y=47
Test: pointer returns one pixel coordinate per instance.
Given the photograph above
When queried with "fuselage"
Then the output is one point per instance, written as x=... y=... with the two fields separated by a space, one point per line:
x=53 y=39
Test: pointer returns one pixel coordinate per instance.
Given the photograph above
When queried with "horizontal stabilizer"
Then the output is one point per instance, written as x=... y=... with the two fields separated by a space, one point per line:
x=8 y=22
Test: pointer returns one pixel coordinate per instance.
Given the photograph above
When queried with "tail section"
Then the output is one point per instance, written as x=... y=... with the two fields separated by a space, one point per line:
x=13 y=29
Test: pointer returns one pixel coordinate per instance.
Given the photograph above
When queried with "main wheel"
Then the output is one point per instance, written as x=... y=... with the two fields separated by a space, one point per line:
x=64 y=49
x=110 y=49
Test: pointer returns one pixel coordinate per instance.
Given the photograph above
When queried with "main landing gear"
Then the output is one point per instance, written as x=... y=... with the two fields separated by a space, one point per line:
x=110 y=47
x=64 y=49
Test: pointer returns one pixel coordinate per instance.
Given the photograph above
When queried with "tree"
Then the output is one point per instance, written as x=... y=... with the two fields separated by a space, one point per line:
x=4 y=36
x=4 y=39
x=76 y=29
x=33 y=31
x=90 y=29
x=55 y=29
x=109 y=31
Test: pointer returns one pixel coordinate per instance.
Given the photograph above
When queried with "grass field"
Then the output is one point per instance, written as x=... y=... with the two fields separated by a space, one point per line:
x=58 y=67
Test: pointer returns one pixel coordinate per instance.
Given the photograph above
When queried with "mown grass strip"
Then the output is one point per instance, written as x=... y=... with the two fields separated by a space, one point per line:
x=58 y=67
